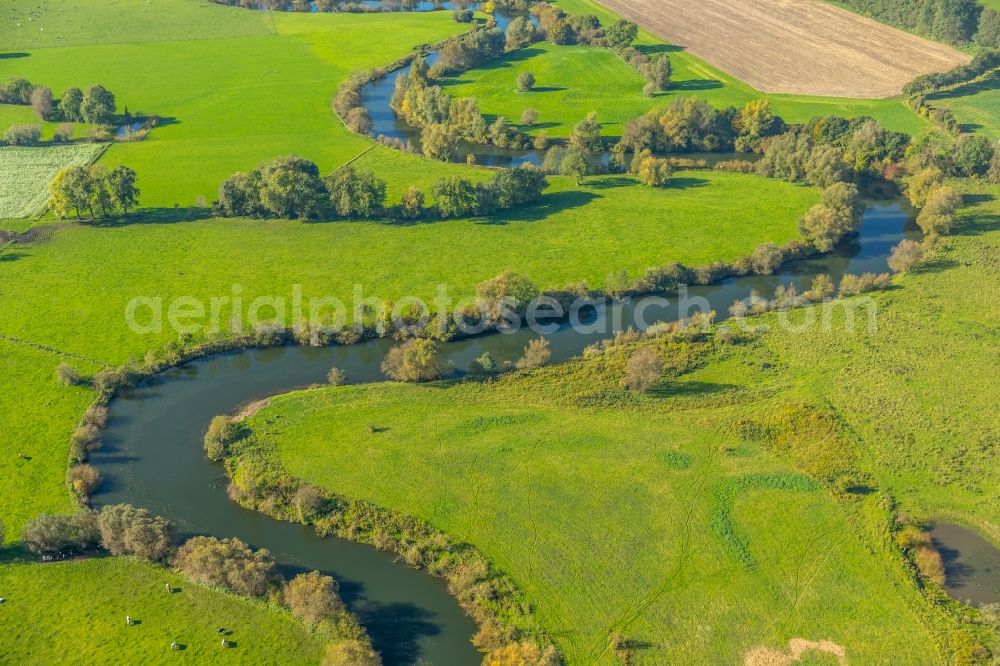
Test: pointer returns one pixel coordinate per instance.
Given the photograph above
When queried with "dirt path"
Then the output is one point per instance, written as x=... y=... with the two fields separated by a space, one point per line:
x=804 y=47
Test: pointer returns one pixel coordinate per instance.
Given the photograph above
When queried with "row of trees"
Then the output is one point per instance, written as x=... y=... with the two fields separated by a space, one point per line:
x=952 y=21
x=94 y=191
x=96 y=105
x=291 y=188
x=693 y=125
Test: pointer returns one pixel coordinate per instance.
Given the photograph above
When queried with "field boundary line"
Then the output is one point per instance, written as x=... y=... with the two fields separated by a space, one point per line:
x=51 y=350
x=359 y=156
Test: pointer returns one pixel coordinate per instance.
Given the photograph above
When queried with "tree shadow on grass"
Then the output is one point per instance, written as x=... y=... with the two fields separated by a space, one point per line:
x=15 y=54
x=695 y=85
x=545 y=89
x=979 y=224
x=990 y=83
x=6 y=257
x=550 y=204
x=686 y=183
x=691 y=389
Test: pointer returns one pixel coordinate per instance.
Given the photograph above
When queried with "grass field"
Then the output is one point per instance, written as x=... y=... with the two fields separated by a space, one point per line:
x=25 y=173
x=976 y=106
x=574 y=80
x=74 y=613
x=593 y=472
x=239 y=88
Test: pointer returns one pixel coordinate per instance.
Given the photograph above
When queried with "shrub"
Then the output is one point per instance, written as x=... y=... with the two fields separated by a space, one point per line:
x=643 y=370
x=41 y=102
x=851 y=285
x=766 y=259
x=222 y=432
x=335 y=377
x=16 y=91
x=312 y=597
x=621 y=34
x=50 y=535
x=308 y=501
x=416 y=360
x=905 y=256
x=929 y=564
x=536 y=354
x=84 y=479
x=505 y=298
x=454 y=197
x=822 y=288
x=359 y=120
x=654 y=171
x=355 y=193
x=67 y=375
x=529 y=117
x=62 y=133
x=526 y=653
x=350 y=653
x=525 y=81
x=226 y=563
x=69 y=105
x=919 y=186
x=22 y=135
x=126 y=530
x=462 y=15
x=520 y=33
x=938 y=213
x=411 y=206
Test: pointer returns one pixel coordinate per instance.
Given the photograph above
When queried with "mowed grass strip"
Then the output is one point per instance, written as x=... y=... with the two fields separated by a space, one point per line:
x=74 y=613
x=25 y=173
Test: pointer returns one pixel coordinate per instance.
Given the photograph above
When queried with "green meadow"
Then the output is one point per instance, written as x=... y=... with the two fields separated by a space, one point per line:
x=74 y=613
x=592 y=471
x=647 y=515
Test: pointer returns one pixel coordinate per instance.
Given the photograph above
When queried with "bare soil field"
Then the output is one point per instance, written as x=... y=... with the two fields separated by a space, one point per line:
x=805 y=47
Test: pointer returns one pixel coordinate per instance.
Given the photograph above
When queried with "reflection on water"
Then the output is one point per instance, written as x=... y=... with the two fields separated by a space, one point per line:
x=971 y=564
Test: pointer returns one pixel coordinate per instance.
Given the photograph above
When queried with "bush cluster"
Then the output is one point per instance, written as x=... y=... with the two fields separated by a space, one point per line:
x=79 y=191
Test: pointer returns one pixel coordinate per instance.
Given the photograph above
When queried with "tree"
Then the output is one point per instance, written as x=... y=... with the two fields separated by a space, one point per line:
x=358 y=120
x=41 y=102
x=355 y=193
x=416 y=360
x=312 y=597
x=525 y=653
x=519 y=186
x=439 y=141
x=127 y=530
x=239 y=196
x=454 y=197
x=586 y=134
x=506 y=293
x=17 y=91
x=938 y=213
x=71 y=191
x=536 y=354
x=222 y=432
x=529 y=117
x=70 y=105
x=121 y=183
x=22 y=135
x=753 y=121
x=654 y=172
x=411 y=206
x=51 y=535
x=643 y=370
x=83 y=479
x=335 y=377
x=988 y=34
x=98 y=105
x=621 y=34
x=657 y=71
x=973 y=155
x=826 y=166
x=919 y=186
x=290 y=187
x=67 y=375
x=226 y=563
x=525 y=81
x=575 y=164
x=520 y=33
x=766 y=259
x=905 y=256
